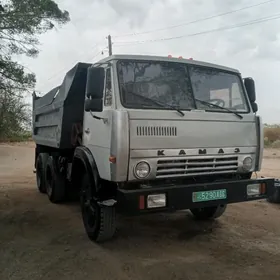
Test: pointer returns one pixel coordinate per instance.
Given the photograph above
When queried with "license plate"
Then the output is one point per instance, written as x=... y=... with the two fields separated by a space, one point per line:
x=209 y=195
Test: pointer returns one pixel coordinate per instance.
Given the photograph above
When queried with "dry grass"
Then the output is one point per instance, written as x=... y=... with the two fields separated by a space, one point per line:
x=17 y=137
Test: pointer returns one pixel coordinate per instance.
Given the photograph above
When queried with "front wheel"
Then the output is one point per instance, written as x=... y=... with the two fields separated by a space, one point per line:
x=209 y=213
x=99 y=220
x=275 y=198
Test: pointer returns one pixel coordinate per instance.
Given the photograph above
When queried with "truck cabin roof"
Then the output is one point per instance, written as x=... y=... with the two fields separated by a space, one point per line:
x=167 y=59
x=82 y=67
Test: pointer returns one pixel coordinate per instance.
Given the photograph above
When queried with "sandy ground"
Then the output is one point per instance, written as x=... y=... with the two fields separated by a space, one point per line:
x=39 y=240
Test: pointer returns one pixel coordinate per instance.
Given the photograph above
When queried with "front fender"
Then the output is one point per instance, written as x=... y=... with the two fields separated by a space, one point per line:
x=83 y=156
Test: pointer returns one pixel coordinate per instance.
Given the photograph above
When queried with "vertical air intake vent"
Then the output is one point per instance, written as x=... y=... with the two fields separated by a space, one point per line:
x=156 y=131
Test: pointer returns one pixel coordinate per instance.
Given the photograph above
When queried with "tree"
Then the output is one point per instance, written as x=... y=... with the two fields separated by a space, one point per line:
x=15 y=116
x=21 y=21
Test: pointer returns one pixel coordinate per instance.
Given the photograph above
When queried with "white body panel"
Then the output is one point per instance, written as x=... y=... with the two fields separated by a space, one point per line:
x=194 y=130
x=170 y=134
x=98 y=140
x=97 y=134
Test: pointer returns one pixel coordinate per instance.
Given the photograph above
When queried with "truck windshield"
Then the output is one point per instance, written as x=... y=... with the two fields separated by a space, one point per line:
x=179 y=85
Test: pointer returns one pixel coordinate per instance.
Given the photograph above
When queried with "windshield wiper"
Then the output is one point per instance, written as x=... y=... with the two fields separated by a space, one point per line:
x=162 y=104
x=220 y=107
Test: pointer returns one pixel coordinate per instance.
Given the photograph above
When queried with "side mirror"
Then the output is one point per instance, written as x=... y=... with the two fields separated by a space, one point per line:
x=255 y=107
x=250 y=88
x=95 y=82
x=94 y=105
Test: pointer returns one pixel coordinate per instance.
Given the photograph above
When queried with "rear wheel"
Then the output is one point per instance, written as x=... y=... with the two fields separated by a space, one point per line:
x=55 y=181
x=41 y=164
x=209 y=213
x=99 y=220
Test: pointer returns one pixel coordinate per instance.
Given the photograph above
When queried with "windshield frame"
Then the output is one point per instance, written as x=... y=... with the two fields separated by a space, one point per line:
x=187 y=65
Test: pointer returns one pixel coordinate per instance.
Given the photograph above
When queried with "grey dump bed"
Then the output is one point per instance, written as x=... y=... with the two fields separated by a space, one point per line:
x=57 y=114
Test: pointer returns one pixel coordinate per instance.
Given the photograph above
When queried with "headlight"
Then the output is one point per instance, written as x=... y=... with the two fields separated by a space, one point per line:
x=142 y=170
x=247 y=163
x=156 y=200
x=253 y=189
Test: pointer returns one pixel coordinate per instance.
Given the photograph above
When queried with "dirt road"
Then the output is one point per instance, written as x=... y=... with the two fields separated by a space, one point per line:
x=39 y=240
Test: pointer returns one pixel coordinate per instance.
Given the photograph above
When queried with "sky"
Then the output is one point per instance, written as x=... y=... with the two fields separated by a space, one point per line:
x=253 y=49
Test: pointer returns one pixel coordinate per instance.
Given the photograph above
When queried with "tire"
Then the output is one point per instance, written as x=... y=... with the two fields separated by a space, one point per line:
x=99 y=220
x=208 y=213
x=41 y=164
x=55 y=182
x=275 y=198
x=72 y=192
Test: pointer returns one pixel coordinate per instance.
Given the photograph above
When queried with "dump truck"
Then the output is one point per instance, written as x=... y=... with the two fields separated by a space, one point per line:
x=147 y=134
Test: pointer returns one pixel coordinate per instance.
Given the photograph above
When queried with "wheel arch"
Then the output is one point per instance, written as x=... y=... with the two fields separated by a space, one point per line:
x=83 y=161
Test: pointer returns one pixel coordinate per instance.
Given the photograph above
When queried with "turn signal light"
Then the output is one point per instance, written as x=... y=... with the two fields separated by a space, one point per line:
x=262 y=188
x=112 y=159
x=141 y=202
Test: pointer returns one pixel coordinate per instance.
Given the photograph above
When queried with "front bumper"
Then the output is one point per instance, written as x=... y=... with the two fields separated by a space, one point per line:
x=180 y=197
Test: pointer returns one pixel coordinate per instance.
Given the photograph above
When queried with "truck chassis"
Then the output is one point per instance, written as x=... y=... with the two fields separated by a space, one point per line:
x=63 y=178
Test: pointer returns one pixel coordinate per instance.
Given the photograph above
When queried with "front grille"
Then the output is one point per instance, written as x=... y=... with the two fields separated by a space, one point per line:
x=196 y=166
x=156 y=131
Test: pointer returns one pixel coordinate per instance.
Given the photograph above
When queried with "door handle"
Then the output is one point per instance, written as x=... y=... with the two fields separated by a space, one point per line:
x=87 y=131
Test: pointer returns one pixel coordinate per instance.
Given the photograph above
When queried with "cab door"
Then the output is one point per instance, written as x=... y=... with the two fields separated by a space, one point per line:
x=97 y=129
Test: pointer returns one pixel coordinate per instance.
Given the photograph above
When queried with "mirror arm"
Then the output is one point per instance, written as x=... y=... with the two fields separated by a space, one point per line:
x=105 y=120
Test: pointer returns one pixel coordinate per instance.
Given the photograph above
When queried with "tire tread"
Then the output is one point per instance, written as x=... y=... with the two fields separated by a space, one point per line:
x=106 y=220
x=211 y=214
x=275 y=198
x=107 y=223
x=42 y=159
x=57 y=194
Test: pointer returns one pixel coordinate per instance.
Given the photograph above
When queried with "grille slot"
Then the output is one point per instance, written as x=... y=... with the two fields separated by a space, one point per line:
x=196 y=166
x=156 y=131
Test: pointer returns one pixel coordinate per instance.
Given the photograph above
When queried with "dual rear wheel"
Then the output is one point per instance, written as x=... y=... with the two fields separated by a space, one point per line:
x=41 y=164
x=49 y=178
